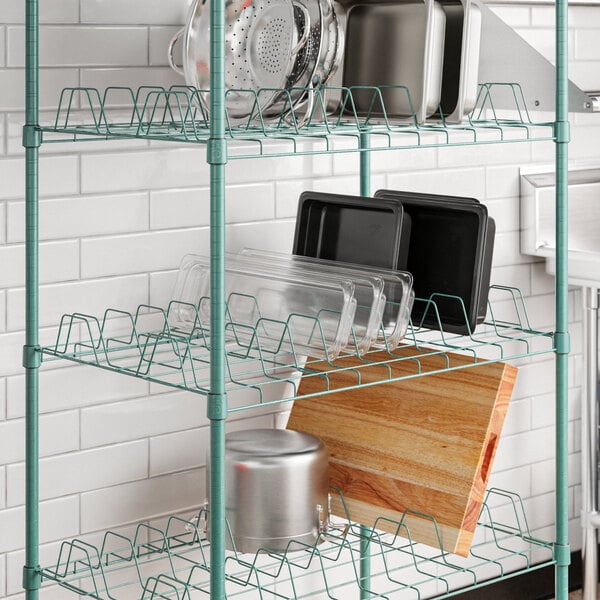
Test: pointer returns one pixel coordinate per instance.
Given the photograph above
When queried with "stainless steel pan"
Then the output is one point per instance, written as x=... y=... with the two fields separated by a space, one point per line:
x=391 y=45
x=461 y=59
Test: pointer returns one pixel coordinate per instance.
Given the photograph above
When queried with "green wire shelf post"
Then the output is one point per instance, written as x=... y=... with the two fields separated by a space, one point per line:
x=562 y=548
x=31 y=351
x=217 y=400
x=365 y=559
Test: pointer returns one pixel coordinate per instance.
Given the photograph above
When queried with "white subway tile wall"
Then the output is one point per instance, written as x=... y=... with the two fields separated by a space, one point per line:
x=65 y=11
x=59 y=175
x=2 y=46
x=147 y=12
x=115 y=221
x=52 y=81
x=2 y=490
x=2 y=311
x=54 y=516
x=60 y=435
x=143 y=499
x=59 y=262
x=73 y=387
x=82 y=471
x=88 y=215
x=93 y=51
x=2 y=402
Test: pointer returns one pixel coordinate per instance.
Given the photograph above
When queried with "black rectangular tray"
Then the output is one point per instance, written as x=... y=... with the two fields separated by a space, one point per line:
x=352 y=229
x=450 y=254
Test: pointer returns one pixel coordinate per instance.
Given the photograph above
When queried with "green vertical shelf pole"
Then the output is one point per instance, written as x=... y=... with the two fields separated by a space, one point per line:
x=365 y=165
x=217 y=399
x=365 y=557
x=31 y=354
x=562 y=549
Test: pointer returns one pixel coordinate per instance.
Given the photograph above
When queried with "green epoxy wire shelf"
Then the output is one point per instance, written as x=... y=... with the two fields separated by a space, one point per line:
x=168 y=558
x=150 y=344
x=177 y=114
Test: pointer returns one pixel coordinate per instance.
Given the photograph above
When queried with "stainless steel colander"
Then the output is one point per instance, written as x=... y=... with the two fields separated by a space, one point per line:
x=263 y=39
x=318 y=60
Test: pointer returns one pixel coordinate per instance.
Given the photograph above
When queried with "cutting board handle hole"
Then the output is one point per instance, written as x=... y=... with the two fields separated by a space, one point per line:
x=487 y=457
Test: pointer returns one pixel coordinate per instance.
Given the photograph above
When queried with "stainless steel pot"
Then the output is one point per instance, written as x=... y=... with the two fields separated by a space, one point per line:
x=276 y=488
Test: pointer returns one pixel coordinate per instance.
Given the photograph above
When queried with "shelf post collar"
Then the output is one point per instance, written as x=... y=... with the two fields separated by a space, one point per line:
x=32 y=357
x=562 y=555
x=216 y=151
x=562 y=342
x=562 y=132
x=32 y=578
x=32 y=136
x=217 y=407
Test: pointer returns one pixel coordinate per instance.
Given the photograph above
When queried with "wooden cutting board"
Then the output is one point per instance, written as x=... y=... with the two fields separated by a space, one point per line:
x=424 y=444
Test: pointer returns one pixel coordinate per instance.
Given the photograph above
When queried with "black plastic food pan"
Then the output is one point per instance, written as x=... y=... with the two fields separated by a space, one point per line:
x=352 y=229
x=450 y=257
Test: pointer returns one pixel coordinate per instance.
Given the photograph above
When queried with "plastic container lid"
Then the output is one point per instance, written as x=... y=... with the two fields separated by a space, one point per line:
x=397 y=291
x=269 y=311
x=368 y=290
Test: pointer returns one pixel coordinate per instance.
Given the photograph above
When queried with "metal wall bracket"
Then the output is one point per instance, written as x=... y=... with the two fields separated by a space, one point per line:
x=32 y=578
x=32 y=357
x=594 y=100
x=506 y=57
x=32 y=136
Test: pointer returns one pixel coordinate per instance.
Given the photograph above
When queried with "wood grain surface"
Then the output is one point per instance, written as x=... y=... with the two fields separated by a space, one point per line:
x=424 y=444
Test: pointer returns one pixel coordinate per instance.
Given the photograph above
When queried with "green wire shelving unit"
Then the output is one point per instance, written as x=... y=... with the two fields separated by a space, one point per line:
x=170 y=557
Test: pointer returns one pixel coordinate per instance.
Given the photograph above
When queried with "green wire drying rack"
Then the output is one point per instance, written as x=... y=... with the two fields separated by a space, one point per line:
x=170 y=557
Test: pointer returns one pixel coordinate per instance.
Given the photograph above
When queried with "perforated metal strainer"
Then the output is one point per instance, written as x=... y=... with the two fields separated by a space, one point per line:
x=263 y=38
